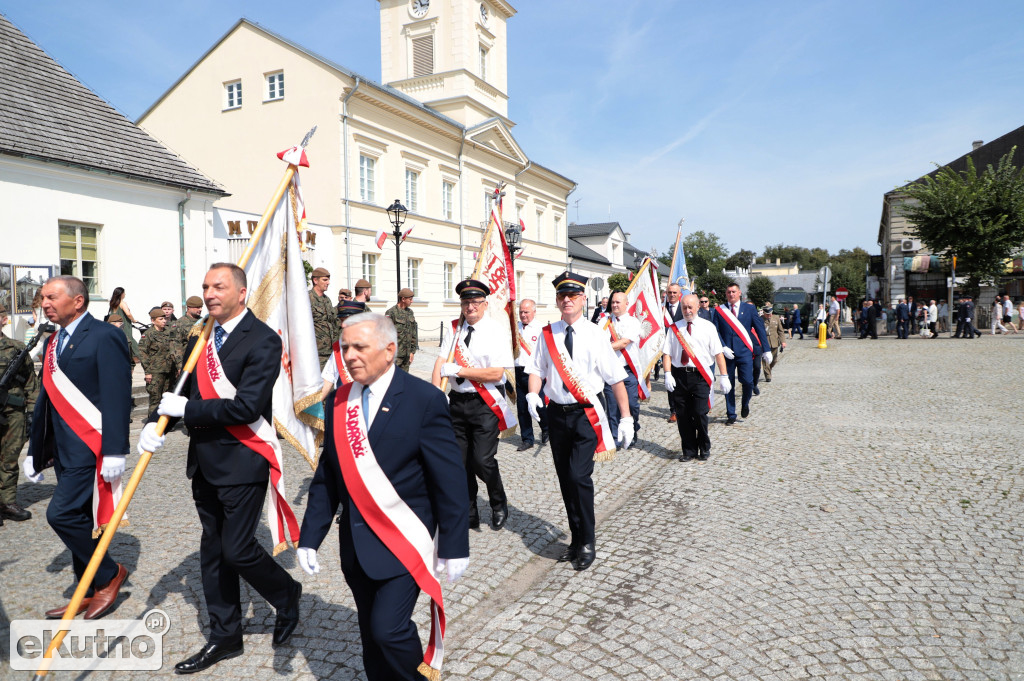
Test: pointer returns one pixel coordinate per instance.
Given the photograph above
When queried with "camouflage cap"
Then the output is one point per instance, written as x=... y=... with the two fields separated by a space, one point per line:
x=194 y=301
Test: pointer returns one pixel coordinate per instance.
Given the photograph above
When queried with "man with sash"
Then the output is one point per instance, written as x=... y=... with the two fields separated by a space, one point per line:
x=529 y=332
x=233 y=452
x=478 y=405
x=392 y=465
x=335 y=374
x=673 y=313
x=737 y=324
x=692 y=349
x=80 y=427
x=625 y=332
x=576 y=360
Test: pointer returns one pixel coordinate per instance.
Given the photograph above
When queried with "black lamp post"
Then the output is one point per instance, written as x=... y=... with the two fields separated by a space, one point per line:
x=638 y=260
x=513 y=237
x=396 y=214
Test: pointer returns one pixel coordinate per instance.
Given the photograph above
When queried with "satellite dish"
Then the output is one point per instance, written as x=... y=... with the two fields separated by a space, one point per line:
x=597 y=283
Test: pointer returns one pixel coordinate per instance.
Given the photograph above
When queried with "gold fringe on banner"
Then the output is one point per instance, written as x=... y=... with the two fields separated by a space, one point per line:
x=605 y=456
x=429 y=672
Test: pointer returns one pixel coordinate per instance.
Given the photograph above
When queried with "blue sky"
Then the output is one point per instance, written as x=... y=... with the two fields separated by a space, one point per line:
x=763 y=122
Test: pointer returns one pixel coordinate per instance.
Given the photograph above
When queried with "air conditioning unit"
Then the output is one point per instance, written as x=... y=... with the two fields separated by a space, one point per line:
x=907 y=245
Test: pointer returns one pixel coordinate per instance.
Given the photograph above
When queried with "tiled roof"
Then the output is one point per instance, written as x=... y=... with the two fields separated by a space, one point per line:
x=581 y=252
x=988 y=154
x=593 y=229
x=47 y=115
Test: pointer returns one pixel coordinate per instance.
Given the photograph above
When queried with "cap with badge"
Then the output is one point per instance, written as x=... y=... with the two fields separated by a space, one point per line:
x=345 y=292
x=194 y=301
x=347 y=308
x=472 y=288
x=767 y=309
x=406 y=293
x=320 y=272
x=167 y=303
x=570 y=282
x=156 y=313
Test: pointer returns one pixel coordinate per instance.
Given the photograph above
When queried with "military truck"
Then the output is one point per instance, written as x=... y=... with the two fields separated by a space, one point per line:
x=786 y=297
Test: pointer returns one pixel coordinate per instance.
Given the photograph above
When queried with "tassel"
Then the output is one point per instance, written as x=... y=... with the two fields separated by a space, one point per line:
x=429 y=672
x=602 y=457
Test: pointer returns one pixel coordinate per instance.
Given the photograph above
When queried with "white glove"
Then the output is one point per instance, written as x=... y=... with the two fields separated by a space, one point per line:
x=724 y=382
x=626 y=431
x=29 y=471
x=533 y=404
x=455 y=567
x=449 y=369
x=172 y=405
x=767 y=357
x=149 y=441
x=307 y=561
x=728 y=353
x=670 y=382
x=113 y=467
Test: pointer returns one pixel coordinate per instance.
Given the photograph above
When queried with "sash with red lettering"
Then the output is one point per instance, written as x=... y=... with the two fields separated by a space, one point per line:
x=387 y=514
x=492 y=397
x=734 y=323
x=583 y=394
x=260 y=437
x=86 y=421
x=343 y=375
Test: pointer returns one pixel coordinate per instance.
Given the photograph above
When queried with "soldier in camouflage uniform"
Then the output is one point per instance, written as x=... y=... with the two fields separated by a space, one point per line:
x=180 y=328
x=157 y=358
x=21 y=401
x=325 y=316
x=405 y=324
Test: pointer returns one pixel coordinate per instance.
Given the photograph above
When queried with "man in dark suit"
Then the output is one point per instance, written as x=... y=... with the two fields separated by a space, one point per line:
x=91 y=372
x=674 y=310
x=739 y=358
x=229 y=479
x=902 y=319
x=600 y=309
x=410 y=440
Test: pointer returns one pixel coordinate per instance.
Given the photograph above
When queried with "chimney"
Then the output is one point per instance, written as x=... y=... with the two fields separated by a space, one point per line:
x=976 y=144
x=626 y=234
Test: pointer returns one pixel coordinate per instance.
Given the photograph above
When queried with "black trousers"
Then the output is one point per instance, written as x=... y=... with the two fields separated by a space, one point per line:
x=70 y=516
x=573 y=442
x=391 y=644
x=476 y=430
x=229 y=550
x=690 y=401
x=523 y=410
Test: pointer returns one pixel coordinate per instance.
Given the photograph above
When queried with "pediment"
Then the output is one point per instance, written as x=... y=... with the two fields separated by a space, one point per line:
x=494 y=135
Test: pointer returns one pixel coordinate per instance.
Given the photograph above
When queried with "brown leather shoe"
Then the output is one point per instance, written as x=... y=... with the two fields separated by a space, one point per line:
x=672 y=419
x=58 y=613
x=104 y=597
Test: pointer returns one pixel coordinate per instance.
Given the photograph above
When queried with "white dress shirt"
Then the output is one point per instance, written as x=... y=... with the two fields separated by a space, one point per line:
x=70 y=328
x=530 y=335
x=377 y=390
x=330 y=372
x=488 y=345
x=229 y=326
x=592 y=359
x=703 y=339
x=626 y=327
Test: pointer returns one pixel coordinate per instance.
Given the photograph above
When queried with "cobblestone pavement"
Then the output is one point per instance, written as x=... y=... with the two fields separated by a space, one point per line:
x=863 y=523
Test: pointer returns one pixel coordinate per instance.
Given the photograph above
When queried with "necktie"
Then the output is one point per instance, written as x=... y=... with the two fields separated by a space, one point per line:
x=459 y=380
x=218 y=337
x=61 y=338
x=734 y=309
x=568 y=348
x=689 y=330
x=366 y=407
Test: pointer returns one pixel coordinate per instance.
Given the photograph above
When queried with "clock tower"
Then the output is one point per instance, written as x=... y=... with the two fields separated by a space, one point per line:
x=449 y=54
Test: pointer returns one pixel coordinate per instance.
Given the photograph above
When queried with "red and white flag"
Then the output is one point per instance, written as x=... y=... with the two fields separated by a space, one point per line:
x=494 y=268
x=406 y=233
x=295 y=156
x=380 y=238
x=644 y=303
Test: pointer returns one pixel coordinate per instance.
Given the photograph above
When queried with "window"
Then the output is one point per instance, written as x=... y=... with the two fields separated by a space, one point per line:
x=558 y=227
x=540 y=224
x=447 y=200
x=449 y=281
x=488 y=204
x=370 y=270
x=540 y=286
x=366 y=165
x=483 y=62
x=411 y=181
x=275 y=86
x=79 y=255
x=233 y=94
x=423 y=55
x=520 y=293
x=412 y=275
x=519 y=214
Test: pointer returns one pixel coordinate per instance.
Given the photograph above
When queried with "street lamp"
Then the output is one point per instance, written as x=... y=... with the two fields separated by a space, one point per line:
x=396 y=214
x=513 y=237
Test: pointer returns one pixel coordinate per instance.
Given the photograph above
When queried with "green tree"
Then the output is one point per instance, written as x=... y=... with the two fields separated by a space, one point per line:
x=704 y=251
x=618 y=282
x=977 y=217
x=760 y=290
x=713 y=285
x=741 y=258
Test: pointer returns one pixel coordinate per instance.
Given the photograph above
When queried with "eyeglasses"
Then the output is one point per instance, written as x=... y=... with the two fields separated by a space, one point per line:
x=704 y=302
x=563 y=296
x=473 y=303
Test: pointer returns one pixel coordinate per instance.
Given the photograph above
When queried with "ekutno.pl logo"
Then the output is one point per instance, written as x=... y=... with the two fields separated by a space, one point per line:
x=104 y=645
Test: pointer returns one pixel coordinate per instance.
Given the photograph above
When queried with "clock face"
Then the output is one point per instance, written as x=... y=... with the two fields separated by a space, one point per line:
x=419 y=8
x=483 y=14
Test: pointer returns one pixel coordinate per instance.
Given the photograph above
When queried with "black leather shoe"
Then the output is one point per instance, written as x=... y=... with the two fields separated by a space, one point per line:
x=543 y=438
x=288 y=616
x=757 y=391
x=703 y=455
x=474 y=522
x=745 y=412
x=569 y=555
x=730 y=421
x=14 y=512
x=523 y=447
x=585 y=557
x=498 y=518
x=211 y=654
x=685 y=456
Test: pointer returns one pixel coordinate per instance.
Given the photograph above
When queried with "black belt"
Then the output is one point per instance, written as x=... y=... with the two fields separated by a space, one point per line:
x=469 y=396
x=689 y=367
x=575 y=406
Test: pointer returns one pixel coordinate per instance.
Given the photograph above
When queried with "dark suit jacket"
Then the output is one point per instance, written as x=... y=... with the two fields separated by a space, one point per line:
x=750 y=320
x=251 y=357
x=902 y=312
x=96 y=360
x=703 y=314
x=598 y=311
x=416 y=448
x=679 y=311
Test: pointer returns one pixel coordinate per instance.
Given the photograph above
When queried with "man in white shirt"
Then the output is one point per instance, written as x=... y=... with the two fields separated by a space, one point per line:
x=584 y=357
x=529 y=333
x=628 y=331
x=833 y=319
x=933 y=319
x=476 y=425
x=688 y=386
x=675 y=312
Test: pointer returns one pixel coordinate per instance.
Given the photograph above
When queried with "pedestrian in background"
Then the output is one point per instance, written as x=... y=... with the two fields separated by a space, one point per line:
x=15 y=416
x=933 y=318
x=118 y=304
x=795 y=322
x=408 y=331
x=325 y=315
x=776 y=340
x=157 y=358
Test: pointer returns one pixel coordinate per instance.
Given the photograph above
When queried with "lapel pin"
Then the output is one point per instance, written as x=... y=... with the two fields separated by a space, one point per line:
x=385 y=409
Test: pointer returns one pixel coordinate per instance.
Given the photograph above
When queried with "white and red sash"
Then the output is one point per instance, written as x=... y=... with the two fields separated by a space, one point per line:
x=492 y=397
x=86 y=421
x=260 y=437
x=583 y=394
x=523 y=345
x=629 y=353
x=740 y=330
x=343 y=375
x=387 y=514
x=694 y=360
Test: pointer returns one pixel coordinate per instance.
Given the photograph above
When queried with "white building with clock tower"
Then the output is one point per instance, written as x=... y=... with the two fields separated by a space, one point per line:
x=434 y=132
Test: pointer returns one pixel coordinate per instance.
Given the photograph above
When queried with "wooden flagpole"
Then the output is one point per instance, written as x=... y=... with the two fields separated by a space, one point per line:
x=140 y=468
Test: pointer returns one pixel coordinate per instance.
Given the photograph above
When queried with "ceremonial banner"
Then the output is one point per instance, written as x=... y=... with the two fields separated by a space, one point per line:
x=678 y=273
x=278 y=296
x=644 y=303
